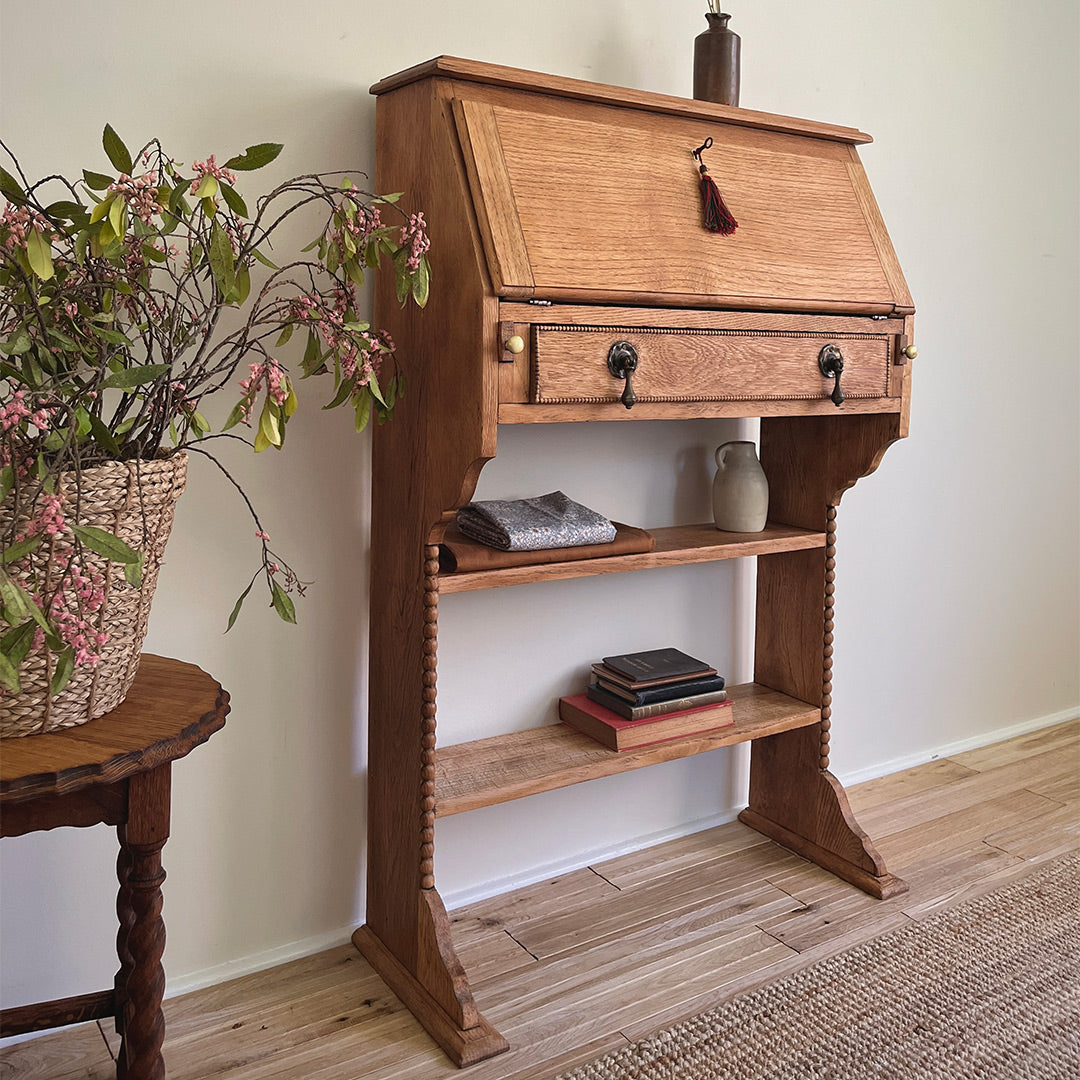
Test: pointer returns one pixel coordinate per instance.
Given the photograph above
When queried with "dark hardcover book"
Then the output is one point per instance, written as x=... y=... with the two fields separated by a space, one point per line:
x=592 y=719
x=651 y=695
x=655 y=665
x=609 y=673
x=661 y=708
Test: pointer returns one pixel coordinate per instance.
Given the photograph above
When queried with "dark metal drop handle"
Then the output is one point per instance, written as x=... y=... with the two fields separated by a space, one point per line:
x=831 y=362
x=622 y=362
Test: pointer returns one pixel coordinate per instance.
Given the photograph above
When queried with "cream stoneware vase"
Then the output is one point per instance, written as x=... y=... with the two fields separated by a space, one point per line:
x=740 y=495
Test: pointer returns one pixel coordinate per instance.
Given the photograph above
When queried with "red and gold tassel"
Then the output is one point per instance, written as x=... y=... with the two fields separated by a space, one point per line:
x=718 y=218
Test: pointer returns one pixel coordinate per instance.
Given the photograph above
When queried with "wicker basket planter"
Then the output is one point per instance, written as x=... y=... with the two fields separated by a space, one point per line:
x=135 y=500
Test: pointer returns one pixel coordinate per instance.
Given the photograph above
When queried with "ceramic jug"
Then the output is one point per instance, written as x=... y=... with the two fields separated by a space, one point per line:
x=740 y=495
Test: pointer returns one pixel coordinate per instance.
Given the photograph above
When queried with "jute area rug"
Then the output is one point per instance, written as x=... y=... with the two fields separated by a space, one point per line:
x=987 y=990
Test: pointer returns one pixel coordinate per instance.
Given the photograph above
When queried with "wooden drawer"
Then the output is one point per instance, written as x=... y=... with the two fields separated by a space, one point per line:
x=569 y=364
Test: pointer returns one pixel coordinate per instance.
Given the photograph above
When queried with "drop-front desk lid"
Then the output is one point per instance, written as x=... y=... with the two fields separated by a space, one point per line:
x=590 y=192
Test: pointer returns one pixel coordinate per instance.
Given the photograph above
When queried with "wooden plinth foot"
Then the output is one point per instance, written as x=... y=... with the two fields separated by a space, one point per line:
x=883 y=886
x=464 y=1046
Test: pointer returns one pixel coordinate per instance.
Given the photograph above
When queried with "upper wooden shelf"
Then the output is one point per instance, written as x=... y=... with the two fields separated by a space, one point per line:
x=507 y=767
x=675 y=546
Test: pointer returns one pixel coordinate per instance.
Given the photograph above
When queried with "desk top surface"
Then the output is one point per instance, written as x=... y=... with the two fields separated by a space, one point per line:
x=171 y=708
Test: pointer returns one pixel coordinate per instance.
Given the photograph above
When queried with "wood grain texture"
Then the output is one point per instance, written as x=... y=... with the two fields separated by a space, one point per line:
x=675 y=546
x=330 y=1017
x=49 y=1014
x=172 y=707
x=462 y=1046
x=506 y=767
x=117 y=769
x=588 y=225
x=570 y=365
x=694 y=410
x=580 y=90
x=642 y=315
x=561 y=190
x=451 y=406
x=496 y=213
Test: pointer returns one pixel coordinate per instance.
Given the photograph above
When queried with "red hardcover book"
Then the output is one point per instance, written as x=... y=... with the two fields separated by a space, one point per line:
x=592 y=719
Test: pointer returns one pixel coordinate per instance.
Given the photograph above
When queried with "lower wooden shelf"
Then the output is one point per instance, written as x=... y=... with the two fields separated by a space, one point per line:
x=506 y=767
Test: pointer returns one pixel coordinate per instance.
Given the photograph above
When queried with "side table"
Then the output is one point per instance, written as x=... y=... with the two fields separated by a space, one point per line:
x=116 y=770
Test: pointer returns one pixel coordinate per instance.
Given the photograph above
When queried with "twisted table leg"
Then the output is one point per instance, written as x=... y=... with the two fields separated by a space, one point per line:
x=142 y=929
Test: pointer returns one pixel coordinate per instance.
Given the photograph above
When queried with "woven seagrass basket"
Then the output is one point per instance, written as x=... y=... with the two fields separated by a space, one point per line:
x=134 y=500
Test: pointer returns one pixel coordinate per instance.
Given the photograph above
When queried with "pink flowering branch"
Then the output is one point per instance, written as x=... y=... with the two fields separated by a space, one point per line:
x=112 y=337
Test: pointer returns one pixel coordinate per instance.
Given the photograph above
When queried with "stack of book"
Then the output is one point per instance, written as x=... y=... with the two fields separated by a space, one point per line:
x=638 y=699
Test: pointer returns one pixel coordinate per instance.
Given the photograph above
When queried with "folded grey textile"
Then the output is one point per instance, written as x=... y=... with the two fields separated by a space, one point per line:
x=548 y=521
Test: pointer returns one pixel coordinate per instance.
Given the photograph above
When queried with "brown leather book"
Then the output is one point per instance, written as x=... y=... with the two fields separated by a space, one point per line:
x=459 y=554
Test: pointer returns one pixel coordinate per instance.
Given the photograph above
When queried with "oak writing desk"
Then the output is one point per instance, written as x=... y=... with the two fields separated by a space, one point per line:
x=570 y=260
x=116 y=770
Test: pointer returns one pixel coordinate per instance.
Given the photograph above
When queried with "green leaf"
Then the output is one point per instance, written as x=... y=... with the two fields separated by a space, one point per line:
x=255 y=157
x=65 y=665
x=17 y=344
x=243 y=285
x=421 y=282
x=238 y=605
x=118 y=216
x=354 y=271
x=116 y=150
x=154 y=253
x=208 y=187
x=17 y=602
x=261 y=441
x=221 y=261
x=17 y=550
x=133 y=572
x=344 y=391
x=101 y=210
x=9 y=674
x=65 y=209
x=103 y=436
x=39 y=252
x=312 y=357
x=11 y=188
x=137 y=376
x=392 y=198
x=269 y=423
x=286 y=333
x=283 y=604
x=264 y=260
x=233 y=200
x=113 y=337
x=363 y=412
x=7 y=481
x=235 y=417
x=376 y=393
x=177 y=203
x=16 y=643
x=97 y=181
x=105 y=544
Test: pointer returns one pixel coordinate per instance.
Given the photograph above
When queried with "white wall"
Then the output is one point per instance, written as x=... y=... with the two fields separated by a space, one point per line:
x=957 y=589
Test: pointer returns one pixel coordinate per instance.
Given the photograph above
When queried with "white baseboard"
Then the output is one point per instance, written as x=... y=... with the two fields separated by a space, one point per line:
x=260 y=961
x=909 y=761
x=295 y=950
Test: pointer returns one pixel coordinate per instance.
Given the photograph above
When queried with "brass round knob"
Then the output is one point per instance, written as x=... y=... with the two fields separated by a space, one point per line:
x=516 y=344
x=910 y=351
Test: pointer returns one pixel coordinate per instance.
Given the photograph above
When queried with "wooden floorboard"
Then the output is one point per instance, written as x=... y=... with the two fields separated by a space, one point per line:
x=571 y=968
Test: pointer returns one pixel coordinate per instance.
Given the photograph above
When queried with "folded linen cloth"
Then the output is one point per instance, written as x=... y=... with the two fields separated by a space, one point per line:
x=547 y=521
